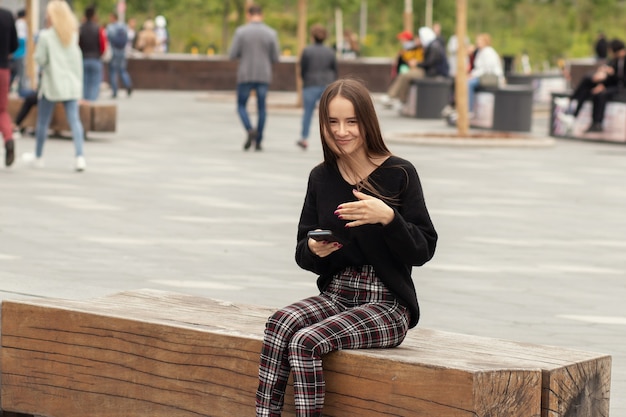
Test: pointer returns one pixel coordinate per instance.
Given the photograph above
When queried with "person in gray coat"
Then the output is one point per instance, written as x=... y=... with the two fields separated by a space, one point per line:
x=256 y=47
x=318 y=68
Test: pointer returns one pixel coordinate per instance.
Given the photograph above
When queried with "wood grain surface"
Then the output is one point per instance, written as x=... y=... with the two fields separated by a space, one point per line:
x=158 y=354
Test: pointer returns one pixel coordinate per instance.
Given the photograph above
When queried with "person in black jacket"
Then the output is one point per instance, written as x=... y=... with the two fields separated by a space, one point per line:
x=8 y=45
x=92 y=43
x=373 y=204
x=435 y=63
x=318 y=68
x=604 y=84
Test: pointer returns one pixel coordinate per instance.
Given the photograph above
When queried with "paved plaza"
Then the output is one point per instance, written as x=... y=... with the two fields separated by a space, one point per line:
x=532 y=243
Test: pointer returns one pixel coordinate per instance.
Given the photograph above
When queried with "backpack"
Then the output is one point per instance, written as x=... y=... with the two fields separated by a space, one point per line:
x=119 y=36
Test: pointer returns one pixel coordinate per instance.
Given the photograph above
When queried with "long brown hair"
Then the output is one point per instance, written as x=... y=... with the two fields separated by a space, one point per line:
x=354 y=91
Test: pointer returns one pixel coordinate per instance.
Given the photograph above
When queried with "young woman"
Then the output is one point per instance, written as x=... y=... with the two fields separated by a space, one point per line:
x=372 y=202
x=58 y=55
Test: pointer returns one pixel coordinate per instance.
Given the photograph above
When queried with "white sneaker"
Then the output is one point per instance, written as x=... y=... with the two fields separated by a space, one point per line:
x=80 y=163
x=386 y=101
x=397 y=105
x=446 y=111
x=562 y=102
x=30 y=159
x=567 y=120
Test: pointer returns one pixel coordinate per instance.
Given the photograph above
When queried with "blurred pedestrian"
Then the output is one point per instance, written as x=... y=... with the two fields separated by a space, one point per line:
x=17 y=60
x=318 y=68
x=608 y=81
x=435 y=62
x=406 y=69
x=117 y=36
x=350 y=47
x=256 y=47
x=601 y=48
x=146 y=39
x=162 y=34
x=8 y=45
x=132 y=35
x=92 y=42
x=58 y=55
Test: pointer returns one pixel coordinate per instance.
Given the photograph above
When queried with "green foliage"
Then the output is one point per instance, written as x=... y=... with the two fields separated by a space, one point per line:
x=546 y=29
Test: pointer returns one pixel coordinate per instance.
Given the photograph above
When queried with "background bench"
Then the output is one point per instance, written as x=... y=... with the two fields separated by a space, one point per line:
x=543 y=84
x=162 y=354
x=427 y=97
x=508 y=108
x=614 y=122
x=95 y=116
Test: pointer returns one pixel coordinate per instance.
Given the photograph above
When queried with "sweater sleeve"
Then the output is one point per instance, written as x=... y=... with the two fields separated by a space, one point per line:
x=309 y=221
x=411 y=236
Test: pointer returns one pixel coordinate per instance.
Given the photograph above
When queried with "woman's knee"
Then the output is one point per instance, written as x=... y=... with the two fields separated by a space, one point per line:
x=283 y=322
x=304 y=344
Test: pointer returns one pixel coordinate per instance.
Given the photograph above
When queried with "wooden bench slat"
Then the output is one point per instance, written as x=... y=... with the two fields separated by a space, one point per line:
x=95 y=116
x=164 y=354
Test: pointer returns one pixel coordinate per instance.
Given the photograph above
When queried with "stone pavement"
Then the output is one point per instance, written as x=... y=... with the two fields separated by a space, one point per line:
x=532 y=238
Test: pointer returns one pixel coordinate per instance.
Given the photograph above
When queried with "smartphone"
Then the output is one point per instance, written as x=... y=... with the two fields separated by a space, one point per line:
x=323 y=235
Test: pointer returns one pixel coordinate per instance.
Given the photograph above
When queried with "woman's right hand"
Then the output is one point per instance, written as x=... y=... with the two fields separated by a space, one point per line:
x=323 y=248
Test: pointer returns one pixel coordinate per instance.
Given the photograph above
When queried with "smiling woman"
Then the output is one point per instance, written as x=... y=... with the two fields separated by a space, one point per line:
x=372 y=202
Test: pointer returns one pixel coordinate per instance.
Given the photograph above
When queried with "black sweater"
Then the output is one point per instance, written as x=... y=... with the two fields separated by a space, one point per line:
x=8 y=37
x=392 y=250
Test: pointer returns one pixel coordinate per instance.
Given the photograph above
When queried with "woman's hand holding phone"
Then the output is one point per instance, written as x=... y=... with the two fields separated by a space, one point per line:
x=322 y=242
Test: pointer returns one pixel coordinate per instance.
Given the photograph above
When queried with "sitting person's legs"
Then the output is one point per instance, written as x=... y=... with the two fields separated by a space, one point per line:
x=399 y=88
x=599 y=106
x=580 y=94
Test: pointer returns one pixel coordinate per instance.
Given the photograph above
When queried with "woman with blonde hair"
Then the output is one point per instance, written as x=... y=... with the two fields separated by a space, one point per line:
x=487 y=70
x=147 y=39
x=60 y=60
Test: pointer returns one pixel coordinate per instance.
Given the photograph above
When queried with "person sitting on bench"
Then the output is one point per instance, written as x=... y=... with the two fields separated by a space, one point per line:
x=601 y=86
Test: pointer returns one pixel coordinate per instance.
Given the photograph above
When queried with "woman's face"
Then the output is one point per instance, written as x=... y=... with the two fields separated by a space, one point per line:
x=345 y=135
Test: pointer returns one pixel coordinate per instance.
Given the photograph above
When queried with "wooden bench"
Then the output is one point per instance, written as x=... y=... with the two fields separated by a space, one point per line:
x=161 y=354
x=613 y=124
x=95 y=116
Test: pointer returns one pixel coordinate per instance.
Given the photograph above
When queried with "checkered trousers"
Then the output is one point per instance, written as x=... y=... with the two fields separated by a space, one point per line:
x=356 y=311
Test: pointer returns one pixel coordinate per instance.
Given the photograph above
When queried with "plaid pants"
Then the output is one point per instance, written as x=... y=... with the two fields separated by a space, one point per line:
x=356 y=311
